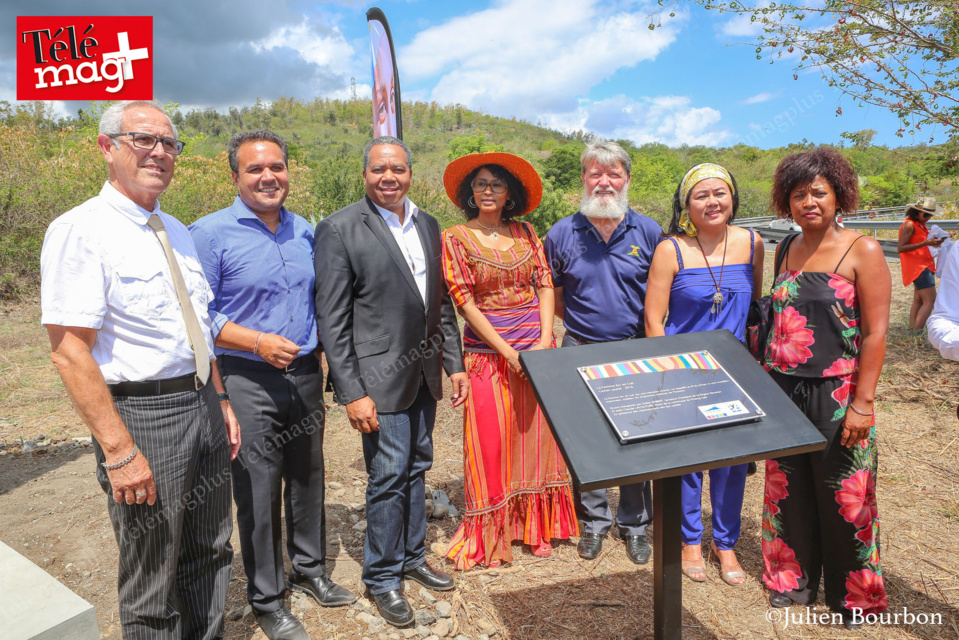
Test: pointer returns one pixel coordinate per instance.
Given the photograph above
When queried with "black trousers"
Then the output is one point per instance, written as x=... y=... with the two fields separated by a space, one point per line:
x=281 y=416
x=820 y=517
x=175 y=556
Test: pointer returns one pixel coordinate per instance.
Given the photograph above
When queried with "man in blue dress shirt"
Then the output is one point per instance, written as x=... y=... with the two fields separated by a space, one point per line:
x=258 y=259
x=600 y=260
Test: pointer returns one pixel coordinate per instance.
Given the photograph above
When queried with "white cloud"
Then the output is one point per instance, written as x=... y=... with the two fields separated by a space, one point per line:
x=319 y=44
x=532 y=58
x=540 y=59
x=759 y=97
x=671 y=120
x=741 y=26
x=328 y=48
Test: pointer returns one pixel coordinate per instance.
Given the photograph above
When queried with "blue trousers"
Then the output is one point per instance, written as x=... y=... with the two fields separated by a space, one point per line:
x=397 y=459
x=726 y=487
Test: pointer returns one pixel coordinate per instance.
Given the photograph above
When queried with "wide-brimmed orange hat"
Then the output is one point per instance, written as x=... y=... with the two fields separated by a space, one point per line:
x=522 y=170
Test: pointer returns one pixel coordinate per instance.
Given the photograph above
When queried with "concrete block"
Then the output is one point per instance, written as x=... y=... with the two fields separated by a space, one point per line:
x=34 y=606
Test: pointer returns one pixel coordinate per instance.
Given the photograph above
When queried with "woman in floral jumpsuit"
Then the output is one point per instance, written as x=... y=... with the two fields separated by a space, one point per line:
x=831 y=313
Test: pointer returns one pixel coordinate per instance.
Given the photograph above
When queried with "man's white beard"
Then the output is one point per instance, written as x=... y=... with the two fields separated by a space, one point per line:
x=604 y=207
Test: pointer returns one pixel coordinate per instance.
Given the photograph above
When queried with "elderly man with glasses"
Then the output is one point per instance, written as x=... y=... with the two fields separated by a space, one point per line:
x=124 y=301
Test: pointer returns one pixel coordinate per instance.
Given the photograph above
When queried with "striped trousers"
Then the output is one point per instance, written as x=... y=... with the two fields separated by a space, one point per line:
x=175 y=556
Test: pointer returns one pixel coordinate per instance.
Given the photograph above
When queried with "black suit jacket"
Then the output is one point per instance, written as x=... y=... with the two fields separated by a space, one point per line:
x=379 y=337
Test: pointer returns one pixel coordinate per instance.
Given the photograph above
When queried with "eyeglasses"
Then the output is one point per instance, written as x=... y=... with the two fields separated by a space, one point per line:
x=927 y=215
x=479 y=186
x=146 y=141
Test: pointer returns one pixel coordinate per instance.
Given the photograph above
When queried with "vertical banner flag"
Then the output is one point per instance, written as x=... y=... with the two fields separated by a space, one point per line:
x=387 y=119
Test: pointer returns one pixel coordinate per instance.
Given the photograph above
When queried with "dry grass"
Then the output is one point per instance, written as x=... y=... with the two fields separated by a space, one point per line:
x=563 y=596
x=32 y=399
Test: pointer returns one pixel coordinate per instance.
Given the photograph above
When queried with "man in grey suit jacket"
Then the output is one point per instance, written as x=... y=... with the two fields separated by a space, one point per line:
x=387 y=326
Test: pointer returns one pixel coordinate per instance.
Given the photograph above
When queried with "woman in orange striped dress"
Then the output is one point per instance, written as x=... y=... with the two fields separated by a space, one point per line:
x=515 y=480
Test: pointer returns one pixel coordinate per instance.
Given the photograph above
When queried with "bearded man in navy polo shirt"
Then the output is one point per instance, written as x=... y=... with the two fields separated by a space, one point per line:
x=258 y=259
x=600 y=260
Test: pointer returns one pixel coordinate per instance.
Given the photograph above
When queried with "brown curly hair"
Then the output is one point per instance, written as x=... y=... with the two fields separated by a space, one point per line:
x=800 y=169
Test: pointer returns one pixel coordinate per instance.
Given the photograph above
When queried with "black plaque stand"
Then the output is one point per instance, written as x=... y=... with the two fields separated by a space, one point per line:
x=596 y=459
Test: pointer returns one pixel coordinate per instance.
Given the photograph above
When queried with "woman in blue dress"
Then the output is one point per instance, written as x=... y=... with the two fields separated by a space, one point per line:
x=704 y=278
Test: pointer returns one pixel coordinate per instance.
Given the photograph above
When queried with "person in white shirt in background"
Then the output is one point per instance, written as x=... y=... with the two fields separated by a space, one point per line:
x=943 y=324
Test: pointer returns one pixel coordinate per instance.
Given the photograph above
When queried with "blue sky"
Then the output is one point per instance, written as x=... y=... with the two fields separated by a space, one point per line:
x=568 y=64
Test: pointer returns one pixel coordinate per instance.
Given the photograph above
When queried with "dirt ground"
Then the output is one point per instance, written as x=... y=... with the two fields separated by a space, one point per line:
x=53 y=512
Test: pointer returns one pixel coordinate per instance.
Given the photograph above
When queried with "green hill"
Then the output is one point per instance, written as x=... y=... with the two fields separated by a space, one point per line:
x=48 y=166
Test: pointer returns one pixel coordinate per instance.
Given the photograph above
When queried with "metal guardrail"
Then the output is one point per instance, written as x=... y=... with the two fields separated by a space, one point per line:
x=890 y=248
x=894 y=224
x=861 y=214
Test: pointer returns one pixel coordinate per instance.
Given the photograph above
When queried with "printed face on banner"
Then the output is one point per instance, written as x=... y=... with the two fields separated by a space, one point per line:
x=384 y=83
x=84 y=57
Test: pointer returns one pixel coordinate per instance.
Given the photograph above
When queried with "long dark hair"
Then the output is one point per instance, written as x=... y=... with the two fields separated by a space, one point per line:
x=517 y=192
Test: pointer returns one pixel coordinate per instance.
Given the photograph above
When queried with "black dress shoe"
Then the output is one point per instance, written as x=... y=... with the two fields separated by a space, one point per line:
x=779 y=600
x=323 y=590
x=394 y=608
x=638 y=549
x=430 y=578
x=281 y=625
x=590 y=544
x=751 y=469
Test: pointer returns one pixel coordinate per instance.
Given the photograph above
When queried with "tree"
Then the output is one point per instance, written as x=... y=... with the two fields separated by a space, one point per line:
x=552 y=208
x=463 y=145
x=860 y=139
x=902 y=56
x=562 y=167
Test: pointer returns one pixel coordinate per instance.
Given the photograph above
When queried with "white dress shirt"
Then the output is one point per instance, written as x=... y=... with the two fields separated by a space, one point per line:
x=943 y=325
x=103 y=268
x=409 y=241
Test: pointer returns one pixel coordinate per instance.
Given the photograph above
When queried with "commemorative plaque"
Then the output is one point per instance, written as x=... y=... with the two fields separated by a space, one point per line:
x=654 y=397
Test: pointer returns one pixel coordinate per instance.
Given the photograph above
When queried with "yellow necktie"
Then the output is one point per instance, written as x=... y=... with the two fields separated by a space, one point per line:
x=197 y=340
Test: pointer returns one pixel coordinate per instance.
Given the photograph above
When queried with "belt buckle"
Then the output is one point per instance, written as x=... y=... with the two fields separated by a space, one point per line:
x=293 y=366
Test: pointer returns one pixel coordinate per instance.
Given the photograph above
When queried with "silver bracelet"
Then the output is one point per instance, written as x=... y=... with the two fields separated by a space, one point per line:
x=122 y=463
x=862 y=413
x=256 y=344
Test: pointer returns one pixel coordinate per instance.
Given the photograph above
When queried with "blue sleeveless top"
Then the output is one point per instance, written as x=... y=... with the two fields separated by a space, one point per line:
x=691 y=297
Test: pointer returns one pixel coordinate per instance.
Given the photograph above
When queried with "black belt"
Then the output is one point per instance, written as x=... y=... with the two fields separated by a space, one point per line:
x=640 y=334
x=303 y=364
x=155 y=387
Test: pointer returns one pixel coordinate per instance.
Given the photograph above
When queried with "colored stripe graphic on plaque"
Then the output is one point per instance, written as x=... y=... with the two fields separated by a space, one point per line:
x=697 y=360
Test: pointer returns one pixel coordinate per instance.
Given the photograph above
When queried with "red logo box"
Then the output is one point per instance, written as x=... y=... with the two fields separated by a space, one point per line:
x=84 y=57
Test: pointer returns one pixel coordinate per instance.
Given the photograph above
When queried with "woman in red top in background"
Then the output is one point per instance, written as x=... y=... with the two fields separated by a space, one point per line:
x=918 y=266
